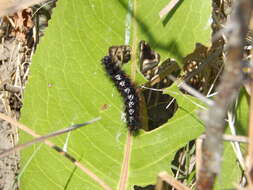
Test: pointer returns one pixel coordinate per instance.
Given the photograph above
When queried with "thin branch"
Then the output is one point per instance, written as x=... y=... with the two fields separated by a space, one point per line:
x=59 y=150
x=231 y=138
x=163 y=178
x=228 y=91
x=43 y=138
x=168 y=8
x=11 y=88
x=249 y=162
x=235 y=145
x=125 y=164
x=191 y=91
x=199 y=144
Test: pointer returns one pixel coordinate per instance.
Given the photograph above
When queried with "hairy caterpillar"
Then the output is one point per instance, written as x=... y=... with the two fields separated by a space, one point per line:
x=125 y=87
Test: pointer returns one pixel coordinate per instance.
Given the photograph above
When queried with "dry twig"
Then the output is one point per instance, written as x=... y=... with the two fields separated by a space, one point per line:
x=228 y=91
x=43 y=138
x=249 y=160
x=164 y=179
x=59 y=150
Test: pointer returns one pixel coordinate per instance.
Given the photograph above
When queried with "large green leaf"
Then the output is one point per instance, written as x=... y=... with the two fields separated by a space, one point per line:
x=68 y=85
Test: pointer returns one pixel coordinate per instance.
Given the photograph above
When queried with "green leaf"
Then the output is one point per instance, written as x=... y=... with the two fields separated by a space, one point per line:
x=175 y=35
x=242 y=113
x=230 y=170
x=68 y=85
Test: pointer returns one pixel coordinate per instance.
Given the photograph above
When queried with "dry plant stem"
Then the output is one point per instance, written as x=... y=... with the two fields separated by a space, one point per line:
x=249 y=160
x=164 y=178
x=235 y=145
x=10 y=88
x=191 y=91
x=199 y=143
x=42 y=138
x=228 y=91
x=231 y=138
x=168 y=8
x=125 y=165
x=59 y=150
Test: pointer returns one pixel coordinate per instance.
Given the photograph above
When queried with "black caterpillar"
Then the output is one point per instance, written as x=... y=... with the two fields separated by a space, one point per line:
x=125 y=87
